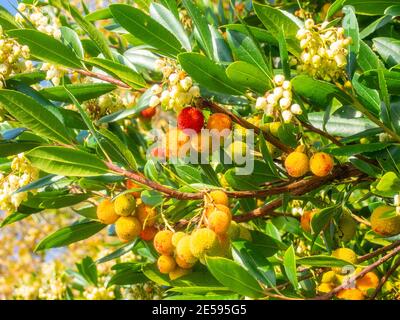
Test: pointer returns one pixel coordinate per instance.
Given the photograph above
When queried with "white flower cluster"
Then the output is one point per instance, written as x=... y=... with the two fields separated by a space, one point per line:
x=279 y=102
x=176 y=90
x=325 y=51
x=99 y=293
x=53 y=73
x=12 y=57
x=45 y=23
x=22 y=174
x=105 y=104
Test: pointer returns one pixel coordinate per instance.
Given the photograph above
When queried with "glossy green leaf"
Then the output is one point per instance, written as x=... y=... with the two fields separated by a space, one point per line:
x=370 y=79
x=247 y=75
x=82 y=91
x=70 y=38
x=289 y=263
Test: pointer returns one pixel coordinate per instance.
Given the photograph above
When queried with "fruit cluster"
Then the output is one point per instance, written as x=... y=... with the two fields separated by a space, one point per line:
x=176 y=90
x=12 y=57
x=180 y=251
x=297 y=163
x=105 y=104
x=325 y=51
x=22 y=173
x=338 y=276
x=278 y=103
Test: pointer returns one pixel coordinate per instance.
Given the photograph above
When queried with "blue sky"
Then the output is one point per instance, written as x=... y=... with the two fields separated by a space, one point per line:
x=6 y=4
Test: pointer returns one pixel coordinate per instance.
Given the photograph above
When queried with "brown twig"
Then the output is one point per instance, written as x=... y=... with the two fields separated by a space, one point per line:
x=378 y=252
x=103 y=77
x=385 y=278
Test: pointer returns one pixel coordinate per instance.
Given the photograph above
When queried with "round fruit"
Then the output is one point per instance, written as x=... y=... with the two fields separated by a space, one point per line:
x=147 y=215
x=325 y=287
x=346 y=255
x=178 y=273
x=148 y=233
x=329 y=277
x=106 y=213
x=219 y=122
x=125 y=205
x=219 y=197
x=321 y=164
x=166 y=264
x=191 y=118
x=176 y=237
x=237 y=150
x=385 y=226
x=128 y=228
x=369 y=281
x=174 y=141
x=163 y=242
x=297 y=164
x=183 y=250
x=347 y=228
x=219 y=221
x=148 y=113
x=132 y=185
x=350 y=294
x=306 y=218
x=211 y=208
x=203 y=242
x=183 y=264
x=274 y=128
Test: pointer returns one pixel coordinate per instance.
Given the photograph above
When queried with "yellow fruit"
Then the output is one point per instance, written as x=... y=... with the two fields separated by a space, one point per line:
x=219 y=221
x=183 y=250
x=244 y=233
x=203 y=242
x=305 y=221
x=346 y=255
x=387 y=227
x=128 y=228
x=237 y=151
x=219 y=122
x=234 y=230
x=132 y=185
x=163 y=242
x=183 y=264
x=219 y=197
x=325 y=287
x=125 y=205
x=176 y=237
x=297 y=164
x=174 y=140
x=321 y=164
x=369 y=281
x=178 y=273
x=211 y=208
x=166 y=264
x=350 y=294
x=146 y=215
x=347 y=228
x=106 y=213
x=329 y=277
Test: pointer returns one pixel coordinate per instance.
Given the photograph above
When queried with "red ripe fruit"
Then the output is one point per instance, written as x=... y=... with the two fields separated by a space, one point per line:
x=191 y=118
x=148 y=233
x=148 y=113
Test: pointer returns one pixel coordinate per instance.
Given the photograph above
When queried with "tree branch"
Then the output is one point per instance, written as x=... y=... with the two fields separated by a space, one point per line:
x=385 y=278
x=378 y=252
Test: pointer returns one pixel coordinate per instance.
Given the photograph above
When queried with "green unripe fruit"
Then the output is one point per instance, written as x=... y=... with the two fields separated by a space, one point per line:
x=347 y=228
x=125 y=205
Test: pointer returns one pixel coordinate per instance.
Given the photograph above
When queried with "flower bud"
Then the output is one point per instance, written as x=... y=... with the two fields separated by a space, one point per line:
x=154 y=101
x=296 y=109
x=287 y=116
x=278 y=79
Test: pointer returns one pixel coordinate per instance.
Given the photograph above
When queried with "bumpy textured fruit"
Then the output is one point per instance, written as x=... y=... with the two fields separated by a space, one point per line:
x=203 y=242
x=306 y=218
x=125 y=205
x=149 y=112
x=176 y=237
x=166 y=264
x=219 y=221
x=106 y=213
x=148 y=233
x=163 y=242
x=237 y=151
x=147 y=215
x=191 y=118
x=183 y=250
x=219 y=122
x=182 y=263
x=128 y=228
x=350 y=294
x=329 y=277
x=130 y=184
x=211 y=208
x=345 y=254
x=178 y=273
x=219 y=197
x=325 y=287
x=385 y=226
x=321 y=164
x=347 y=228
x=369 y=281
x=297 y=164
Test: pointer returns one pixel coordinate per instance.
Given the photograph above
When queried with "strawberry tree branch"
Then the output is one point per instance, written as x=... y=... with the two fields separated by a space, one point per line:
x=378 y=252
x=103 y=77
x=385 y=278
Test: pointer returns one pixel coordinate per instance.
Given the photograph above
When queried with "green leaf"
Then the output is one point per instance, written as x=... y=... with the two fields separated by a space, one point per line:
x=371 y=80
x=276 y=21
x=99 y=14
x=11 y=148
x=70 y=38
x=208 y=74
x=34 y=116
x=201 y=25
x=126 y=248
x=40 y=183
x=322 y=261
x=289 y=263
x=388 y=49
x=55 y=199
x=120 y=71
x=389 y=184
x=87 y=268
x=14 y=217
x=374 y=26
x=94 y=34
x=47 y=48
x=247 y=75
x=146 y=29
x=65 y=236
x=267 y=155
x=321 y=219
x=66 y=162
x=166 y=18
x=368 y=97
x=126 y=277
x=350 y=26
x=355 y=149
x=367 y=59
x=335 y=7
x=82 y=91
x=233 y=276
x=152 y=273
x=7 y=21
x=371 y=7
x=222 y=53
